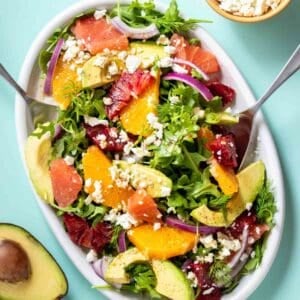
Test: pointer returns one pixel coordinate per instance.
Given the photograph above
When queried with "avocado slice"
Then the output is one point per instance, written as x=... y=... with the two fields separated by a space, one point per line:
x=221 y=118
x=148 y=52
x=37 y=156
x=94 y=75
x=116 y=273
x=36 y=275
x=171 y=281
x=250 y=180
x=153 y=181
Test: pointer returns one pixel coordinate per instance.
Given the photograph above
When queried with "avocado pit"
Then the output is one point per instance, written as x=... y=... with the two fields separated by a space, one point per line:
x=14 y=262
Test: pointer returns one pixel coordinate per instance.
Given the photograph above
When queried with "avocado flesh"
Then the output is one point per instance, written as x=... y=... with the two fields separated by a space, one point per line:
x=47 y=280
x=221 y=118
x=148 y=52
x=171 y=281
x=116 y=273
x=37 y=156
x=250 y=180
x=157 y=184
x=95 y=76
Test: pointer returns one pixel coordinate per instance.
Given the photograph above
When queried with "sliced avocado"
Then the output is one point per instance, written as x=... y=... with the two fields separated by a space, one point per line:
x=37 y=156
x=250 y=180
x=116 y=273
x=221 y=118
x=148 y=52
x=94 y=75
x=29 y=271
x=171 y=281
x=153 y=181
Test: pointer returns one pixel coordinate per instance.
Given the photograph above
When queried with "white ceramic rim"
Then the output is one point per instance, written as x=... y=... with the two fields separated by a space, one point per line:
x=249 y=283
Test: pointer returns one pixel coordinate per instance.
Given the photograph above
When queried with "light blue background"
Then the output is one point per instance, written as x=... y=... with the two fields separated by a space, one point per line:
x=259 y=50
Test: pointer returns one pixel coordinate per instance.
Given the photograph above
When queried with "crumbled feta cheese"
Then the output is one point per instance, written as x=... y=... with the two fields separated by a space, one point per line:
x=174 y=99
x=208 y=241
x=91 y=256
x=99 y=14
x=249 y=205
x=162 y=40
x=123 y=136
x=171 y=210
x=251 y=240
x=100 y=61
x=101 y=138
x=193 y=278
x=165 y=191
x=88 y=200
x=97 y=194
x=156 y=226
x=73 y=52
x=199 y=113
x=248 y=8
x=92 y=121
x=165 y=62
x=126 y=221
x=252 y=254
x=170 y=49
x=208 y=291
x=107 y=100
x=179 y=69
x=132 y=63
x=69 y=160
x=228 y=243
x=113 y=69
x=88 y=182
x=122 y=55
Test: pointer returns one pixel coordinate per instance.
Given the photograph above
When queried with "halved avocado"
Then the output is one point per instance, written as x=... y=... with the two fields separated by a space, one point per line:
x=156 y=183
x=171 y=281
x=250 y=180
x=116 y=273
x=27 y=269
x=37 y=156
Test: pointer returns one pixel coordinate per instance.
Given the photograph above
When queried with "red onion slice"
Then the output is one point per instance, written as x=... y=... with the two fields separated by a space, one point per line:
x=100 y=265
x=134 y=33
x=238 y=255
x=176 y=223
x=192 y=65
x=51 y=68
x=194 y=83
x=122 y=242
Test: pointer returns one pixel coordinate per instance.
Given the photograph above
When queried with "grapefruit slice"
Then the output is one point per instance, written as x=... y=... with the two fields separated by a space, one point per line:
x=98 y=35
x=66 y=182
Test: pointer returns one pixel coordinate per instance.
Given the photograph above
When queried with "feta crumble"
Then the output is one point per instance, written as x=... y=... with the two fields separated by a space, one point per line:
x=91 y=256
x=156 y=226
x=248 y=8
x=132 y=63
x=179 y=69
x=163 y=40
x=69 y=160
x=99 y=14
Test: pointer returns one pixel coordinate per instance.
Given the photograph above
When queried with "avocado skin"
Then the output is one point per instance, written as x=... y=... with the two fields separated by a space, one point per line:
x=47 y=281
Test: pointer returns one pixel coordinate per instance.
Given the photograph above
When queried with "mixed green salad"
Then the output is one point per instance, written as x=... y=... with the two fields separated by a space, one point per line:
x=140 y=163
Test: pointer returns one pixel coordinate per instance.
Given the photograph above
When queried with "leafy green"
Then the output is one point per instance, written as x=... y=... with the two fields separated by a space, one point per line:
x=81 y=209
x=141 y=14
x=265 y=206
x=143 y=280
x=219 y=272
x=74 y=141
x=255 y=261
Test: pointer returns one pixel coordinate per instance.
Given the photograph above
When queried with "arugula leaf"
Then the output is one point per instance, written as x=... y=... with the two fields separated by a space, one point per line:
x=141 y=14
x=254 y=262
x=265 y=206
x=87 y=211
x=219 y=272
x=143 y=280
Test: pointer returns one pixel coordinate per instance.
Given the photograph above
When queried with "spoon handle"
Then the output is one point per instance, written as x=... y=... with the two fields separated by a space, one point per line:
x=13 y=83
x=292 y=66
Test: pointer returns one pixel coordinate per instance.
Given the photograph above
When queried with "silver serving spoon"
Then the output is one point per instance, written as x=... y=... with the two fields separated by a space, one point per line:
x=40 y=110
x=244 y=130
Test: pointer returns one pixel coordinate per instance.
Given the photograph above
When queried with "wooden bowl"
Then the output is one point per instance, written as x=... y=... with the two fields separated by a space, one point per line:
x=214 y=4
